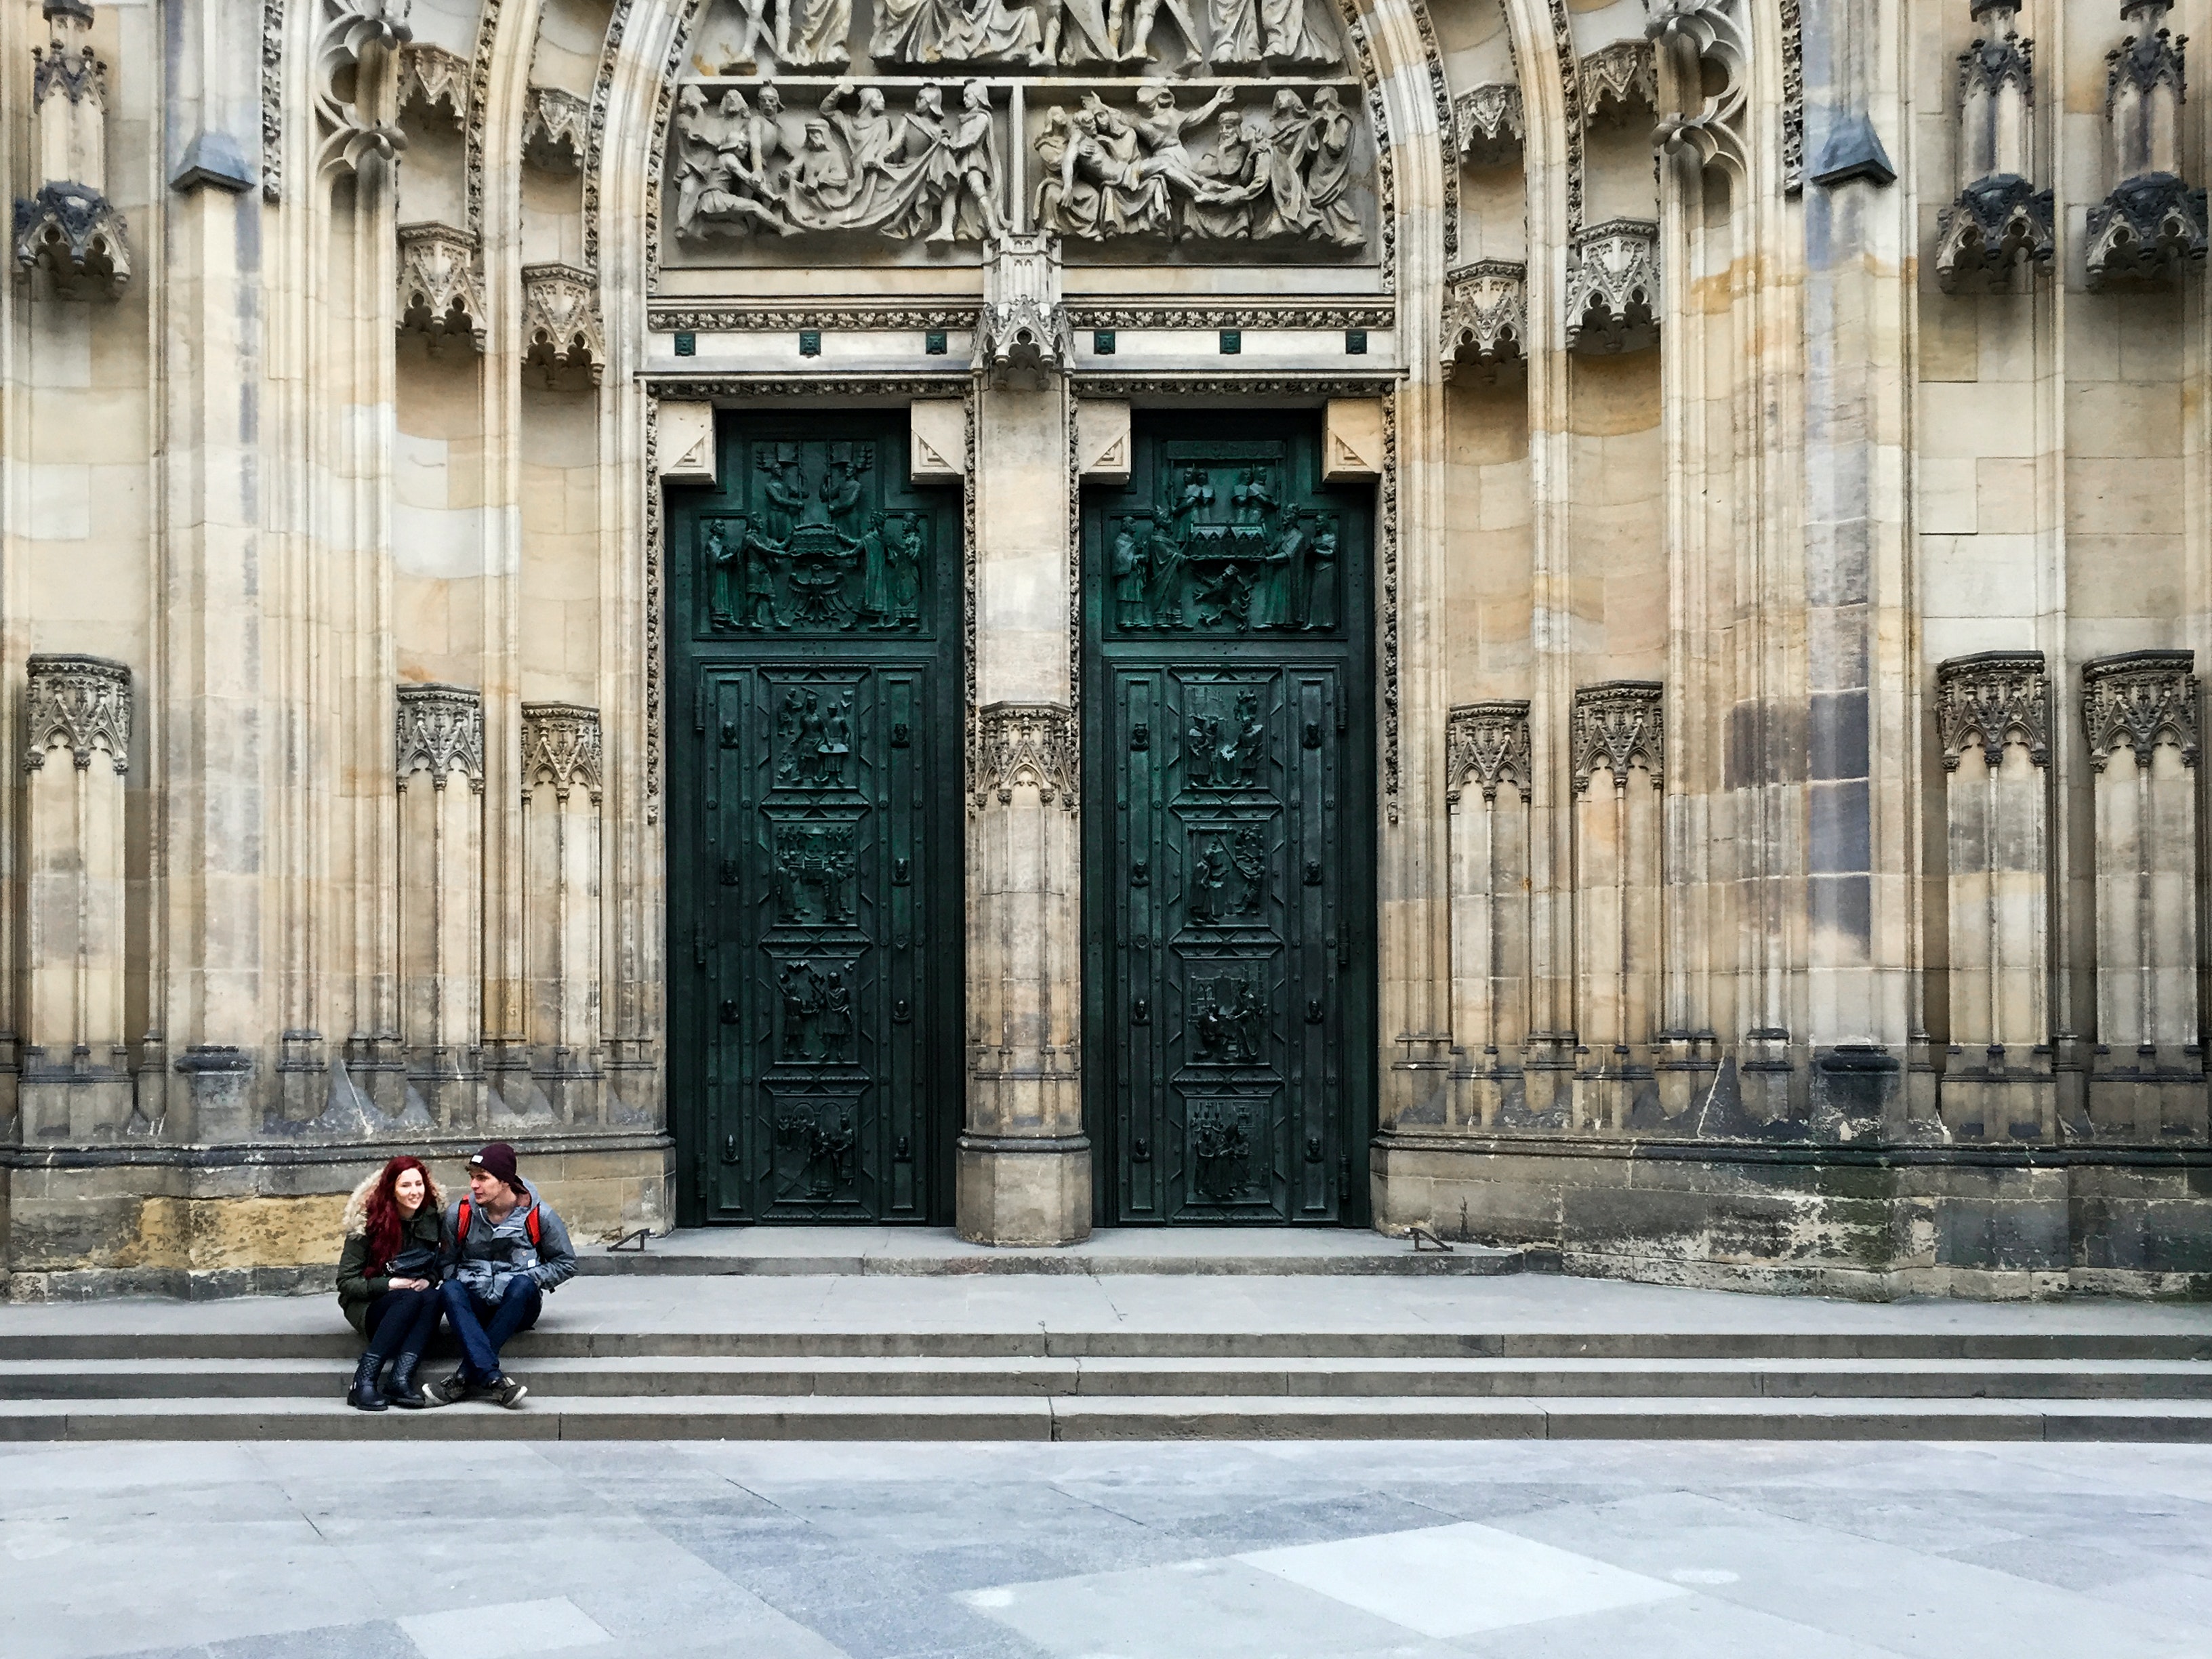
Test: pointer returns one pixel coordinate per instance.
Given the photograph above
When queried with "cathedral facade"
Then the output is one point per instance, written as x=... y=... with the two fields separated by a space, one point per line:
x=1569 y=623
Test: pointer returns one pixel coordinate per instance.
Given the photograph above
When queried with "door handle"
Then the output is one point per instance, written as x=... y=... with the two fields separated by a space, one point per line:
x=729 y=1011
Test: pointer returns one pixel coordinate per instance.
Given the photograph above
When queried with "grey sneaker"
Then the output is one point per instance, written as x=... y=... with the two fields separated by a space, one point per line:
x=453 y=1390
x=509 y=1392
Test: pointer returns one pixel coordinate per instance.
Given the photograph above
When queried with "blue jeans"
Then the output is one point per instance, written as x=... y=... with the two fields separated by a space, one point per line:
x=481 y=1341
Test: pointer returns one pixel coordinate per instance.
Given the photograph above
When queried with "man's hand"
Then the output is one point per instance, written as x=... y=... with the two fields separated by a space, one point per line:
x=411 y=1283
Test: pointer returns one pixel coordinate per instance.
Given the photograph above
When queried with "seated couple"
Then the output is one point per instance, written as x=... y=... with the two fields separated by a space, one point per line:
x=483 y=1265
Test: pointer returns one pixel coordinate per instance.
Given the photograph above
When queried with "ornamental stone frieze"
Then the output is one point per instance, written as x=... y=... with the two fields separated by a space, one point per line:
x=79 y=703
x=1990 y=698
x=2152 y=221
x=66 y=226
x=560 y=324
x=2000 y=219
x=1022 y=334
x=1617 y=723
x=441 y=292
x=357 y=83
x=1489 y=124
x=556 y=130
x=561 y=748
x=439 y=729
x=1613 y=287
x=433 y=79
x=1616 y=79
x=1488 y=743
x=1702 y=54
x=1486 y=320
x=1026 y=744
x=2135 y=699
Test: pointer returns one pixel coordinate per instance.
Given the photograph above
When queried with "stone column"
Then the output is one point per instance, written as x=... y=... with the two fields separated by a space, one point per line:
x=1486 y=765
x=561 y=799
x=77 y=1082
x=1993 y=712
x=440 y=733
x=1024 y=1162
x=1618 y=870
x=2146 y=1075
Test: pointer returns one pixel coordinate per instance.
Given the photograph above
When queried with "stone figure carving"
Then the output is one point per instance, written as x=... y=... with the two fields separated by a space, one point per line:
x=1077 y=33
x=1286 y=174
x=813 y=559
x=1249 y=34
x=748 y=169
x=1229 y=1027
x=818 y=40
x=972 y=32
x=1135 y=45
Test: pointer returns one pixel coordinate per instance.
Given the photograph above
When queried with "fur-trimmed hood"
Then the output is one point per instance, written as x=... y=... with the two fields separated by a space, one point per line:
x=356 y=1209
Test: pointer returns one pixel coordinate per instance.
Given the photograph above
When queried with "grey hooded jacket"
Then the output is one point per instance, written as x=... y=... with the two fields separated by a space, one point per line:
x=491 y=1256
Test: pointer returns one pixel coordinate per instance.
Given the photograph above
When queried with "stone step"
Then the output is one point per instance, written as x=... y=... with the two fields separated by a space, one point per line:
x=938 y=1252
x=637 y=1378
x=1232 y=1416
x=326 y=1343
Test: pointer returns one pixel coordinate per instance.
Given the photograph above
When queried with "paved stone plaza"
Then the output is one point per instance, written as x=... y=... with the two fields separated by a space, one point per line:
x=715 y=1550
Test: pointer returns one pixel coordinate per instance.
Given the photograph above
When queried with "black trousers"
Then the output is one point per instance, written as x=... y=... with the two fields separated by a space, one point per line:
x=402 y=1322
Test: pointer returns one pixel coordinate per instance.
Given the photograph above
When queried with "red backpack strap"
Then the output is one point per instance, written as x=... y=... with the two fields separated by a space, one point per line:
x=461 y=1222
x=530 y=1225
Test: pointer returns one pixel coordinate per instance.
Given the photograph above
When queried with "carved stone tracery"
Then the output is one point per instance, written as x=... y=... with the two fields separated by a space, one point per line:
x=1486 y=318
x=361 y=39
x=2138 y=698
x=1617 y=78
x=561 y=747
x=430 y=79
x=2153 y=222
x=80 y=703
x=1613 y=287
x=1022 y=334
x=1489 y=123
x=1989 y=697
x=68 y=226
x=2000 y=219
x=1616 y=723
x=1488 y=741
x=1025 y=744
x=555 y=130
x=561 y=320
x=440 y=291
x=439 y=729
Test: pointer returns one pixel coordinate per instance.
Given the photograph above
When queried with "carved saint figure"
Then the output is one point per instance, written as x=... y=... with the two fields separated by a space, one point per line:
x=1270 y=604
x=722 y=544
x=787 y=720
x=784 y=489
x=1132 y=573
x=906 y=555
x=841 y=480
x=1230 y=169
x=796 y=982
x=761 y=561
x=820 y=180
x=1076 y=33
x=836 y=743
x=1287 y=212
x=1093 y=188
x=875 y=576
x=1235 y=34
x=1321 y=581
x=1251 y=497
x=1209 y=875
x=992 y=32
x=1290 y=40
x=819 y=38
x=1135 y=44
x=970 y=164
x=910 y=30
x=1328 y=178
x=837 y=1018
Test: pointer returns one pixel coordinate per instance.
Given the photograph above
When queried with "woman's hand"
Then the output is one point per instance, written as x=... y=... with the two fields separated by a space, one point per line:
x=411 y=1283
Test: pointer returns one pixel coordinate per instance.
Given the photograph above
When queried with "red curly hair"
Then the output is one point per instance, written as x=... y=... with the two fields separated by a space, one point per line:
x=385 y=1220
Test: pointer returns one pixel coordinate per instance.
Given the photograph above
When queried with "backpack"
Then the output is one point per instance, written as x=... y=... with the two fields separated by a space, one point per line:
x=467 y=1213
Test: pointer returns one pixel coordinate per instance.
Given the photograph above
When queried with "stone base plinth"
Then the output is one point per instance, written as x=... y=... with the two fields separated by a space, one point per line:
x=1017 y=1191
x=1871 y=1223
x=156 y=1220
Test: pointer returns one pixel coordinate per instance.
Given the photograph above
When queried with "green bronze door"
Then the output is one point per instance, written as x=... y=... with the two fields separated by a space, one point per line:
x=1230 y=887
x=815 y=914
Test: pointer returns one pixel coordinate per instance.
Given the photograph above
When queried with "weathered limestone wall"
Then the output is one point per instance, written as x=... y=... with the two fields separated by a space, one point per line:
x=1787 y=427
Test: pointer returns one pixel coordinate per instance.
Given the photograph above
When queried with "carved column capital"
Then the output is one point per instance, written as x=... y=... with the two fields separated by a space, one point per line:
x=80 y=703
x=561 y=320
x=440 y=730
x=1022 y=335
x=1488 y=741
x=1986 y=697
x=1616 y=722
x=561 y=746
x=556 y=130
x=1618 y=77
x=2140 y=695
x=431 y=77
x=441 y=292
x=1489 y=123
x=1486 y=318
x=1031 y=744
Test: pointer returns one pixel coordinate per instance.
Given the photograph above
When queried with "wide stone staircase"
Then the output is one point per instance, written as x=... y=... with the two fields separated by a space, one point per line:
x=863 y=1338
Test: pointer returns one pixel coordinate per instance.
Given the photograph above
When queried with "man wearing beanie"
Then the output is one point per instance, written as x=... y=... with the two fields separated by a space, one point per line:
x=505 y=1250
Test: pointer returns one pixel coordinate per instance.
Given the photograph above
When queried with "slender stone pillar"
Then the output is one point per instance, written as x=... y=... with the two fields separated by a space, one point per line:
x=441 y=733
x=561 y=799
x=1617 y=874
x=1024 y=1162
x=1993 y=711
x=76 y=1080
x=1486 y=767
x=2146 y=1075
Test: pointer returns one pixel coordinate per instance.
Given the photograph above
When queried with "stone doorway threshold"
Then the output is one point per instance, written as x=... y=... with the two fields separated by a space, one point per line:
x=931 y=1252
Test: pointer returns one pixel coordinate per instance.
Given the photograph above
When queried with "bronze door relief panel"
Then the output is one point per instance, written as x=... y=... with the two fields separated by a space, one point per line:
x=1229 y=892
x=814 y=833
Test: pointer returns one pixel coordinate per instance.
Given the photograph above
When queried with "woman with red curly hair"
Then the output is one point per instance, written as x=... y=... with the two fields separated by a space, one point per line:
x=395 y=1226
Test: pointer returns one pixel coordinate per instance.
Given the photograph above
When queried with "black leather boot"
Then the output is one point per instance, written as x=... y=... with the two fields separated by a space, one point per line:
x=364 y=1396
x=404 y=1392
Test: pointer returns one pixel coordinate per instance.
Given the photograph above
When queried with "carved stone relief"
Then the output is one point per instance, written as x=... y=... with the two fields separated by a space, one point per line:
x=439 y=729
x=1021 y=334
x=1489 y=124
x=431 y=80
x=1616 y=724
x=2153 y=222
x=358 y=50
x=1617 y=78
x=80 y=703
x=1486 y=742
x=1486 y=320
x=68 y=226
x=555 y=130
x=2000 y=220
x=1989 y=697
x=1026 y=744
x=561 y=321
x=561 y=747
x=440 y=291
x=2139 y=697
x=1613 y=287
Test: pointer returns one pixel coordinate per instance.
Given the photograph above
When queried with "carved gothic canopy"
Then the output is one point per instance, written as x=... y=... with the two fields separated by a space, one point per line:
x=811 y=118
